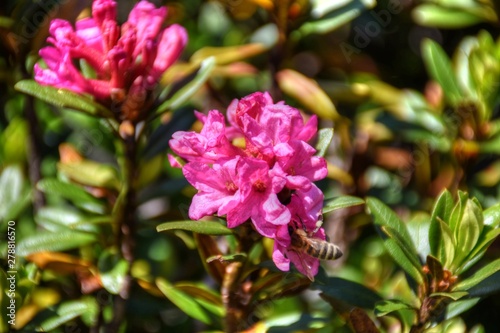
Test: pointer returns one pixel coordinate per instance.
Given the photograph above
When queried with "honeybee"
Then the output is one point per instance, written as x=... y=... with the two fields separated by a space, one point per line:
x=314 y=247
x=305 y=244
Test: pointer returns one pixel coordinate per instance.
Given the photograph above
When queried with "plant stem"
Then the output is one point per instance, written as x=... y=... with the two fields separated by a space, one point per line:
x=126 y=234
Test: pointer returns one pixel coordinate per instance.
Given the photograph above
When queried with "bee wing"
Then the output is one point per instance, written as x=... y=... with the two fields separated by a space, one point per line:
x=305 y=264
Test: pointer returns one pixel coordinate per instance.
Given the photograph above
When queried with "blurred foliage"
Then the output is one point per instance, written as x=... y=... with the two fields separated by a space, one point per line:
x=411 y=89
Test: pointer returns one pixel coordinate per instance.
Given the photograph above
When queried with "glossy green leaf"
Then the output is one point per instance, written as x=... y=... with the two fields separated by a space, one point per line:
x=436 y=16
x=61 y=218
x=63 y=98
x=398 y=243
x=240 y=257
x=402 y=254
x=385 y=307
x=485 y=240
x=468 y=231
x=418 y=228
x=439 y=67
x=457 y=213
x=48 y=241
x=11 y=189
x=479 y=276
x=350 y=292
x=446 y=248
x=201 y=227
x=325 y=136
x=68 y=311
x=442 y=210
x=456 y=308
x=455 y=295
x=487 y=287
x=91 y=173
x=492 y=216
x=72 y=192
x=334 y=19
x=183 y=301
x=112 y=271
x=341 y=202
x=182 y=96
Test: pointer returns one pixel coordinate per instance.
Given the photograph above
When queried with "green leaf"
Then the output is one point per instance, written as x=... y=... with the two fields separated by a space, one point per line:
x=456 y=308
x=433 y=15
x=442 y=211
x=48 y=241
x=341 y=202
x=189 y=89
x=240 y=257
x=485 y=240
x=492 y=216
x=72 y=192
x=350 y=292
x=468 y=232
x=398 y=243
x=11 y=189
x=55 y=219
x=325 y=136
x=91 y=173
x=418 y=228
x=112 y=271
x=201 y=227
x=333 y=20
x=62 y=98
x=183 y=301
x=68 y=311
x=479 y=276
x=455 y=295
x=446 y=248
x=385 y=307
x=439 y=67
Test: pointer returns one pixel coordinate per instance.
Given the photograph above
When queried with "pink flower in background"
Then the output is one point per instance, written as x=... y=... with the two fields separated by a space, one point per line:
x=269 y=181
x=128 y=61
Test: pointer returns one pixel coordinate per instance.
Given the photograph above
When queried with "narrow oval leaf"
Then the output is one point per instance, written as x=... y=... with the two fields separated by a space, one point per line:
x=201 y=227
x=307 y=92
x=325 y=136
x=91 y=173
x=72 y=192
x=492 y=216
x=456 y=308
x=468 y=232
x=446 y=248
x=68 y=311
x=436 y=16
x=189 y=89
x=48 y=241
x=227 y=54
x=439 y=67
x=11 y=188
x=385 y=307
x=183 y=301
x=479 y=276
x=442 y=209
x=455 y=296
x=62 y=98
x=342 y=202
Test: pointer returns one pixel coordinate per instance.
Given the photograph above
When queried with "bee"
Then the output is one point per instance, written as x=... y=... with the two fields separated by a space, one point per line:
x=302 y=242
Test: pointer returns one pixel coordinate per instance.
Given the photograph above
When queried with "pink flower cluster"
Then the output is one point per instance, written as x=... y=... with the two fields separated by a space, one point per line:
x=268 y=180
x=128 y=60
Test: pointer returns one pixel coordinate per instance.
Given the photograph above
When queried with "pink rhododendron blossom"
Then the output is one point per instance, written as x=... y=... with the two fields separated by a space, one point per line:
x=268 y=181
x=128 y=61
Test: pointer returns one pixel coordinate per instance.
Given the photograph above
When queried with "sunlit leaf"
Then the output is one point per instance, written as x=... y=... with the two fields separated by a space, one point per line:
x=183 y=301
x=13 y=196
x=201 y=227
x=325 y=136
x=183 y=94
x=341 y=202
x=385 y=307
x=479 y=276
x=48 y=241
x=91 y=173
x=72 y=192
x=307 y=92
x=62 y=98
x=446 y=247
x=440 y=69
x=444 y=17
x=112 y=271
x=69 y=310
x=227 y=54
x=398 y=243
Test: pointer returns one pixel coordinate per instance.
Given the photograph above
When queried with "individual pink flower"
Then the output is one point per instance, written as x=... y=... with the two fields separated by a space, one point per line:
x=128 y=61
